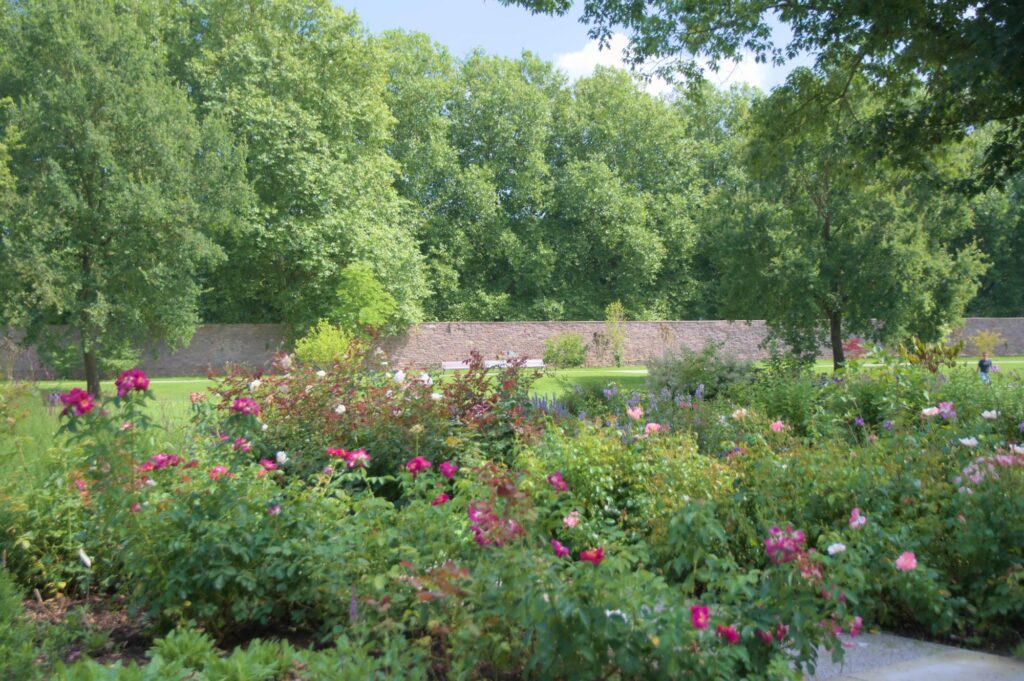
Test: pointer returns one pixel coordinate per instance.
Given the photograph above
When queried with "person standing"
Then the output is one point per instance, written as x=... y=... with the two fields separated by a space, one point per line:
x=984 y=366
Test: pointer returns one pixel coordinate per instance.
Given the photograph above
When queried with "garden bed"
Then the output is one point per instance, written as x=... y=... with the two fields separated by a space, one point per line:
x=311 y=520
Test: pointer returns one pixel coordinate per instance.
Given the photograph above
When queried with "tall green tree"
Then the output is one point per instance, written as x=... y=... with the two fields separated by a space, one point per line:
x=966 y=58
x=119 y=190
x=302 y=86
x=624 y=203
x=827 y=241
x=715 y=122
x=999 y=230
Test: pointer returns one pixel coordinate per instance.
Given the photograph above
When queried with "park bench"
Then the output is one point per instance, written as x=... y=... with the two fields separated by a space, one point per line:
x=492 y=363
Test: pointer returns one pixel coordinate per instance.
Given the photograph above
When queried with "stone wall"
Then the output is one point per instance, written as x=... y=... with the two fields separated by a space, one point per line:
x=427 y=345
x=212 y=348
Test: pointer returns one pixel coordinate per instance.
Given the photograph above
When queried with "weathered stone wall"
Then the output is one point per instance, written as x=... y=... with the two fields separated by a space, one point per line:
x=427 y=345
x=431 y=343
x=213 y=346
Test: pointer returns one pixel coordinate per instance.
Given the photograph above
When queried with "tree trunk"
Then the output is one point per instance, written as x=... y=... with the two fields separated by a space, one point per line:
x=92 y=372
x=835 y=324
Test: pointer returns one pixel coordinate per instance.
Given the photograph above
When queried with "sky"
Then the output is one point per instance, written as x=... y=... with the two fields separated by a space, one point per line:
x=463 y=25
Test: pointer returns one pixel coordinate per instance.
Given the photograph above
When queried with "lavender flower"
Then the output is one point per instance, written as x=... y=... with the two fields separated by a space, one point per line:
x=859 y=422
x=887 y=425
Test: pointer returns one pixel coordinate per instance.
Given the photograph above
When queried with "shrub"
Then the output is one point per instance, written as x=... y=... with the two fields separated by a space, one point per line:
x=987 y=340
x=615 y=331
x=363 y=303
x=684 y=373
x=17 y=652
x=324 y=345
x=931 y=356
x=565 y=351
x=636 y=486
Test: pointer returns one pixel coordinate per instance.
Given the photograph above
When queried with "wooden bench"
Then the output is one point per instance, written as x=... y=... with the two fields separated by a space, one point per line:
x=492 y=364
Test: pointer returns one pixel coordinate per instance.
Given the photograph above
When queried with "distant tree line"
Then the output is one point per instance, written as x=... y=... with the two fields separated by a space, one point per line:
x=164 y=163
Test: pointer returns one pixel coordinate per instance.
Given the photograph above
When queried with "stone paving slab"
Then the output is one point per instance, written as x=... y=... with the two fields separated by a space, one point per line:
x=884 y=657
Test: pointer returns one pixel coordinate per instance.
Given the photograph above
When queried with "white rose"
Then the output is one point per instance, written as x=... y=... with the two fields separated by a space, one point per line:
x=321 y=373
x=990 y=415
x=969 y=441
x=833 y=549
x=255 y=385
x=399 y=376
x=436 y=396
x=340 y=409
x=281 y=458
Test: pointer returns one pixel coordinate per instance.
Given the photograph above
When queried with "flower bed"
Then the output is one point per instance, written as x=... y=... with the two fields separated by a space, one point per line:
x=459 y=530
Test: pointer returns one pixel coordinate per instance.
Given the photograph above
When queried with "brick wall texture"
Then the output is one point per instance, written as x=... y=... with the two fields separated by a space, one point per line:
x=427 y=345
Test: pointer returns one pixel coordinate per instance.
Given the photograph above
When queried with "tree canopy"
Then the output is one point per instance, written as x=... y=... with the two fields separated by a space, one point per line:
x=166 y=163
x=835 y=242
x=120 y=193
x=944 y=68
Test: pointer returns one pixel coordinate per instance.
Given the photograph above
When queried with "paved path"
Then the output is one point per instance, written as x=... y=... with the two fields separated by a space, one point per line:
x=884 y=657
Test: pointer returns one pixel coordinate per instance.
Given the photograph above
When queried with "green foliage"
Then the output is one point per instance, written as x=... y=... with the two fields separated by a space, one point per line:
x=931 y=356
x=324 y=344
x=986 y=341
x=836 y=242
x=615 y=331
x=363 y=303
x=302 y=85
x=107 y=240
x=189 y=654
x=565 y=351
x=684 y=372
x=972 y=51
x=17 y=653
x=637 y=487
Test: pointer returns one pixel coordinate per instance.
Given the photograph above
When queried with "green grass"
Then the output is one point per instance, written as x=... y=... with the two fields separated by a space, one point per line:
x=561 y=381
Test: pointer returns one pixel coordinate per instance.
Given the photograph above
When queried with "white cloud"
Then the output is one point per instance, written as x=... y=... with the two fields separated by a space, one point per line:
x=582 y=63
x=747 y=70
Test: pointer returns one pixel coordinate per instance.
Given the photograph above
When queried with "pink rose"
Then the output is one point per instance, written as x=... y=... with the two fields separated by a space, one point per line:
x=906 y=562
x=635 y=413
x=699 y=616
x=558 y=482
x=572 y=520
x=728 y=633
x=245 y=406
x=777 y=426
x=857 y=520
x=448 y=469
x=77 y=401
x=594 y=556
x=560 y=550
x=441 y=498
x=416 y=465
x=357 y=458
x=133 y=379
